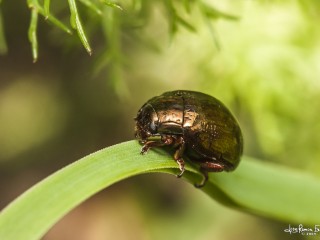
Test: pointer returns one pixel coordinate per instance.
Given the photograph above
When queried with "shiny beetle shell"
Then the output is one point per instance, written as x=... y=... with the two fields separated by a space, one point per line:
x=197 y=125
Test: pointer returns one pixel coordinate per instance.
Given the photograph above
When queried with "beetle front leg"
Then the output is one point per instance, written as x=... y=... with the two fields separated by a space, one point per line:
x=166 y=140
x=178 y=155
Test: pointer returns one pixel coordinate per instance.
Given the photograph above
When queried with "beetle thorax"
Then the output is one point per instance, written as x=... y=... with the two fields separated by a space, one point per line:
x=170 y=121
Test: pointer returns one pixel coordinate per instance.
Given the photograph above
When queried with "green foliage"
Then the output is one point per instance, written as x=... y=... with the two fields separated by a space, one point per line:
x=247 y=189
x=32 y=33
x=46 y=4
x=75 y=21
x=3 y=44
x=112 y=4
x=174 y=17
x=76 y=24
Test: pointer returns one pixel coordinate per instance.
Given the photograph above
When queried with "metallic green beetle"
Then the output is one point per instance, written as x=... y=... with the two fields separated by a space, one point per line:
x=197 y=125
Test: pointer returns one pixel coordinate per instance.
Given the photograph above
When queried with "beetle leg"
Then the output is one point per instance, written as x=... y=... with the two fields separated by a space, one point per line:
x=211 y=167
x=150 y=144
x=204 y=180
x=178 y=156
x=208 y=167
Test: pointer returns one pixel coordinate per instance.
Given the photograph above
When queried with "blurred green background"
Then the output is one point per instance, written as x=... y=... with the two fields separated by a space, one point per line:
x=265 y=66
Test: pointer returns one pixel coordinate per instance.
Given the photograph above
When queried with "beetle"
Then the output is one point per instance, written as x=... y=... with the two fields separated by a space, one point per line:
x=198 y=126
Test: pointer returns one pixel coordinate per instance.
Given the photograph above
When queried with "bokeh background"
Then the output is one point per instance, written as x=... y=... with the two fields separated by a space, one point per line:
x=265 y=66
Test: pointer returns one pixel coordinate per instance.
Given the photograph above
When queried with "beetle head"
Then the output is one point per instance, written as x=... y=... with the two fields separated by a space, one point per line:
x=146 y=123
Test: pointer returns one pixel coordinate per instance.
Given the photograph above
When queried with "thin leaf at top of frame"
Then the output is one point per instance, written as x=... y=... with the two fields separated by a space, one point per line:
x=32 y=33
x=213 y=13
x=185 y=23
x=112 y=4
x=187 y=5
x=92 y=6
x=76 y=24
x=3 y=43
x=35 y=4
x=46 y=5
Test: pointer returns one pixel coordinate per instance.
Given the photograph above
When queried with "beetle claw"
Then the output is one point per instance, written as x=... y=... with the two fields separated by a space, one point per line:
x=204 y=180
x=180 y=162
x=144 y=150
x=180 y=174
x=199 y=185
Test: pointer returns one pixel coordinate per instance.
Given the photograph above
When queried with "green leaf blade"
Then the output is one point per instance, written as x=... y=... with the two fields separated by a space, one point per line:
x=45 y=203
x=273 y=191
x=260 y=188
